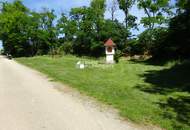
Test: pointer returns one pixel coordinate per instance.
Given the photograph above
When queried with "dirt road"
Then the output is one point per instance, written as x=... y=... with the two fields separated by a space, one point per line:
x=28 y=101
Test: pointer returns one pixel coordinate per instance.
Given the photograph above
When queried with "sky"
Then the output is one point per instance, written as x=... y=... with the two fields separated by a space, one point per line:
x=65 y=6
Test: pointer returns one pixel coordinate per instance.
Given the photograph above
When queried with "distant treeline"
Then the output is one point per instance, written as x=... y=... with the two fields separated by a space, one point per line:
x=84 y=30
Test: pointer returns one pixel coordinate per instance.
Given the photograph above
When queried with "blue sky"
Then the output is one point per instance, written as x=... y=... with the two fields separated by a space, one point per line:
x=65 y=5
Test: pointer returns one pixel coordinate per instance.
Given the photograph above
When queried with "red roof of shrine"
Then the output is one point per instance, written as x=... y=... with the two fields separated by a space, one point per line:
x=109 y=42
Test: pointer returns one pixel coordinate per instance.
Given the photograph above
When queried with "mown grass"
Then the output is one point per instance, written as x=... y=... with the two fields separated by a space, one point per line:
x=143 y=93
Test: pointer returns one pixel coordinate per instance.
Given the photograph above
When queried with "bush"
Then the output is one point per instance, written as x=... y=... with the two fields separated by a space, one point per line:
x=66 y=48
x=133 y=48
x=2 y=52
x=117 y=56
x=153 y=41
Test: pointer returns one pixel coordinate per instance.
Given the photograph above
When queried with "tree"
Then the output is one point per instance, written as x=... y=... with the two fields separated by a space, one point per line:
x=157 y=12
x=37 y=34
x=90 y=22
x=26 y=33
x=116 y=31
x=152 y=42
x=112 y=8
x=49 y=30
x=125 y=5
x=67 y=27
x=84 y=33
x=182 y=5
x=179 y=29
x=172 y=42
x=98 y=8
x=14 y=25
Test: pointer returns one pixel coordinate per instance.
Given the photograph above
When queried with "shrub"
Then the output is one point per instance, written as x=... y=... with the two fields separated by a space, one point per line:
x=133 y=48
x=153 y=41
x=66 y=48
x=117 y=56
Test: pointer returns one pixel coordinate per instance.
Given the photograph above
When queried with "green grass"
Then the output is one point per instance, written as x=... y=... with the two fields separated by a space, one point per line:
x=143 y=93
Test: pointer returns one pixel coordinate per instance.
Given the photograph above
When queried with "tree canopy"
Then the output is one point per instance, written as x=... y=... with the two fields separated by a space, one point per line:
x=84 y=30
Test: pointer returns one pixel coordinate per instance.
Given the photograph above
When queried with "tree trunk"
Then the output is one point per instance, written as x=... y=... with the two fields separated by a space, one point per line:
x=126 y=14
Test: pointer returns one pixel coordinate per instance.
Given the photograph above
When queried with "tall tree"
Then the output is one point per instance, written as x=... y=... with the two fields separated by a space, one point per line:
x=90 y=22
x=14 y=26
x=112 y=8
x=98 y=8
x=84 y=31
x=157 y=11
x=179 y=30
x=126 y=5
x=49 y=29
x=67 y=27
x=38 y=35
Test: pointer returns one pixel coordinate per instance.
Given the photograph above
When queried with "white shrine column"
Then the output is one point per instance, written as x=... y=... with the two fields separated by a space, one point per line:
x=110 y=51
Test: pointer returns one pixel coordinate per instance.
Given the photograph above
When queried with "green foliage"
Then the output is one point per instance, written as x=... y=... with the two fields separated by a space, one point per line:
x=152 y=41
x=156 y=11
x=47 y=18
x=172 y=42
x=89 y=29
x=36 y=33
x=133 y=47
x=179 y=30
x=182 y=5
x=2 y=52
x=116 y=31
x=126 y=5
x=67 y=48
x=117 y=56
x=84 y=30
x=26 y=33
x=67 y=27
x=14 y=25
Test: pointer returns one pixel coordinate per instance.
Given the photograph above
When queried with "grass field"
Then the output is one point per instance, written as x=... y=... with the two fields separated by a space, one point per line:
x=142 y=92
